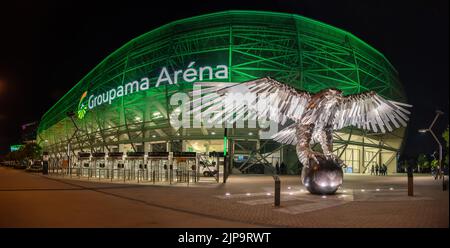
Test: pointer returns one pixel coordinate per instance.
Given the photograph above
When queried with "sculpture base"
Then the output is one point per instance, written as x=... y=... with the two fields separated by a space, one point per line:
x=323 y=178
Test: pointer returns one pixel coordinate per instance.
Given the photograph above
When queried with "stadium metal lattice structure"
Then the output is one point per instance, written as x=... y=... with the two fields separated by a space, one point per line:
x=304 y=53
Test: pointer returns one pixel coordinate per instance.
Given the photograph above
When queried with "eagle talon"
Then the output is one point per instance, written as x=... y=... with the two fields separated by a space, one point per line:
x=335 y=158
x=312 y=155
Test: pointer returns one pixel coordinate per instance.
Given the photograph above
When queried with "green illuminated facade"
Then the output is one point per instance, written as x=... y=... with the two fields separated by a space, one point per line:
x=304 y=53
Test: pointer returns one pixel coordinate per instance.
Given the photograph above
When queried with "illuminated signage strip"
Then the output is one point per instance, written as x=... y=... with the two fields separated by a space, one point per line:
x=189 y=75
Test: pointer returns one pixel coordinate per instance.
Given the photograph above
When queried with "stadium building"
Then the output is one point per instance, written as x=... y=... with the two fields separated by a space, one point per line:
x=115 y=122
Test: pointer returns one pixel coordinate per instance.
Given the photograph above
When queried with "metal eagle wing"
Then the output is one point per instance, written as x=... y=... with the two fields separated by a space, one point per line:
x=372 y=112
x=260 y=98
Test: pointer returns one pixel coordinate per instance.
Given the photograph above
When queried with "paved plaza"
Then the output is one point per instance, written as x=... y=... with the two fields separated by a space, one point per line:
x=34 y=200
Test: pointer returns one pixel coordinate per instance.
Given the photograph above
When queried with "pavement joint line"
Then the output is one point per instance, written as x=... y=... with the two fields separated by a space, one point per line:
x=166 y=207
x=137 y=193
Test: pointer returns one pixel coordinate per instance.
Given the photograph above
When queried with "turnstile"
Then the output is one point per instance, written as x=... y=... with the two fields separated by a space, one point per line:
x=185 y=167
x=159 y=168
x=84 y=161
x=115 y=165
x=98 y=165
x=134 y=165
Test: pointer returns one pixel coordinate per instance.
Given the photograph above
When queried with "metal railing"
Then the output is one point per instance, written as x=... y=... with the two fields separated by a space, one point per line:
x=120 y=174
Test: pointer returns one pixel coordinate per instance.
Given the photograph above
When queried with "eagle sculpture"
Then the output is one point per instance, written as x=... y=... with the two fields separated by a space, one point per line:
x=314 y=117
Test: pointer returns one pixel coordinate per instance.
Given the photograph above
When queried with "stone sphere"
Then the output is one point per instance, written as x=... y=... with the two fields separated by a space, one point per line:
x=322 y=178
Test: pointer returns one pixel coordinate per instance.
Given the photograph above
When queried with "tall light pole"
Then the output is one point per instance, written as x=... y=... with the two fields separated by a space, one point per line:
x=438 y=113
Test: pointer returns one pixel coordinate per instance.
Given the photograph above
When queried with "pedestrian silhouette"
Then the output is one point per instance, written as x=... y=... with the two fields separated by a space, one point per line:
x=283 y=168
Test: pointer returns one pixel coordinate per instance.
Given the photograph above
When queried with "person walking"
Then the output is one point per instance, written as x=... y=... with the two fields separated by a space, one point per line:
x=283 y=168
x=377 y=169
x=372 y=170
x=385 y=169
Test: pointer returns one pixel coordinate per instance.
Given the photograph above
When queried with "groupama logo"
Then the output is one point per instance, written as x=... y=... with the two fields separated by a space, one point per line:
x=82 y=106
x=166 y=77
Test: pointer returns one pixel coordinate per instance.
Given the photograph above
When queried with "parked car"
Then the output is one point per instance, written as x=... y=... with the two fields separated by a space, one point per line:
x=36 y=166
x=208 y=170
x=21 y=165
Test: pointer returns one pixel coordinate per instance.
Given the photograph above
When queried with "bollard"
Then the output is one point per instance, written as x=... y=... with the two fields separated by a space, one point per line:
x=277 y=191
x=410 y=182
x=153 y=177
x=45 y=168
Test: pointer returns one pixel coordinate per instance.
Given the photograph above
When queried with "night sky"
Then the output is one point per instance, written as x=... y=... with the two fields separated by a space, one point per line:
x=47 y=47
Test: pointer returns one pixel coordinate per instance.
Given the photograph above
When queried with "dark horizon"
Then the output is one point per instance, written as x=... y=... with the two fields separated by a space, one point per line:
x=46 y=48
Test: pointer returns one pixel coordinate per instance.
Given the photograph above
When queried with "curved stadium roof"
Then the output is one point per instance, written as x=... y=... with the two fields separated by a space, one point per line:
x=304 y=53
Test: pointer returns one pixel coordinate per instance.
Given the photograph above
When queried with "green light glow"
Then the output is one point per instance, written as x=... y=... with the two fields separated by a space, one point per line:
x=304 y=53
x=82 y=106
x=15 y=147
x=225 y=146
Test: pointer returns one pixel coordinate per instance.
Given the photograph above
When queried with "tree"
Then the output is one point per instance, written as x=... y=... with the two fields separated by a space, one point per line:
x=434 y=163
x=31 y=151
x=423 y=162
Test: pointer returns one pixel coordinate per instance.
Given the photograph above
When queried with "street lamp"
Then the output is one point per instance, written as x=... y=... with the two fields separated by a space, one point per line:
x=438 y=113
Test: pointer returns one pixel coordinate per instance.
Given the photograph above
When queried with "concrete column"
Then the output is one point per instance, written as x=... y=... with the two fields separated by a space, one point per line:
x=147 y=147
x=169 y=146
x=121 y=148
x=183 y=146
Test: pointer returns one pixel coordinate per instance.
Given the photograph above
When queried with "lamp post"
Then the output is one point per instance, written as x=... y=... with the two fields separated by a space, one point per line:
x=438 y=113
